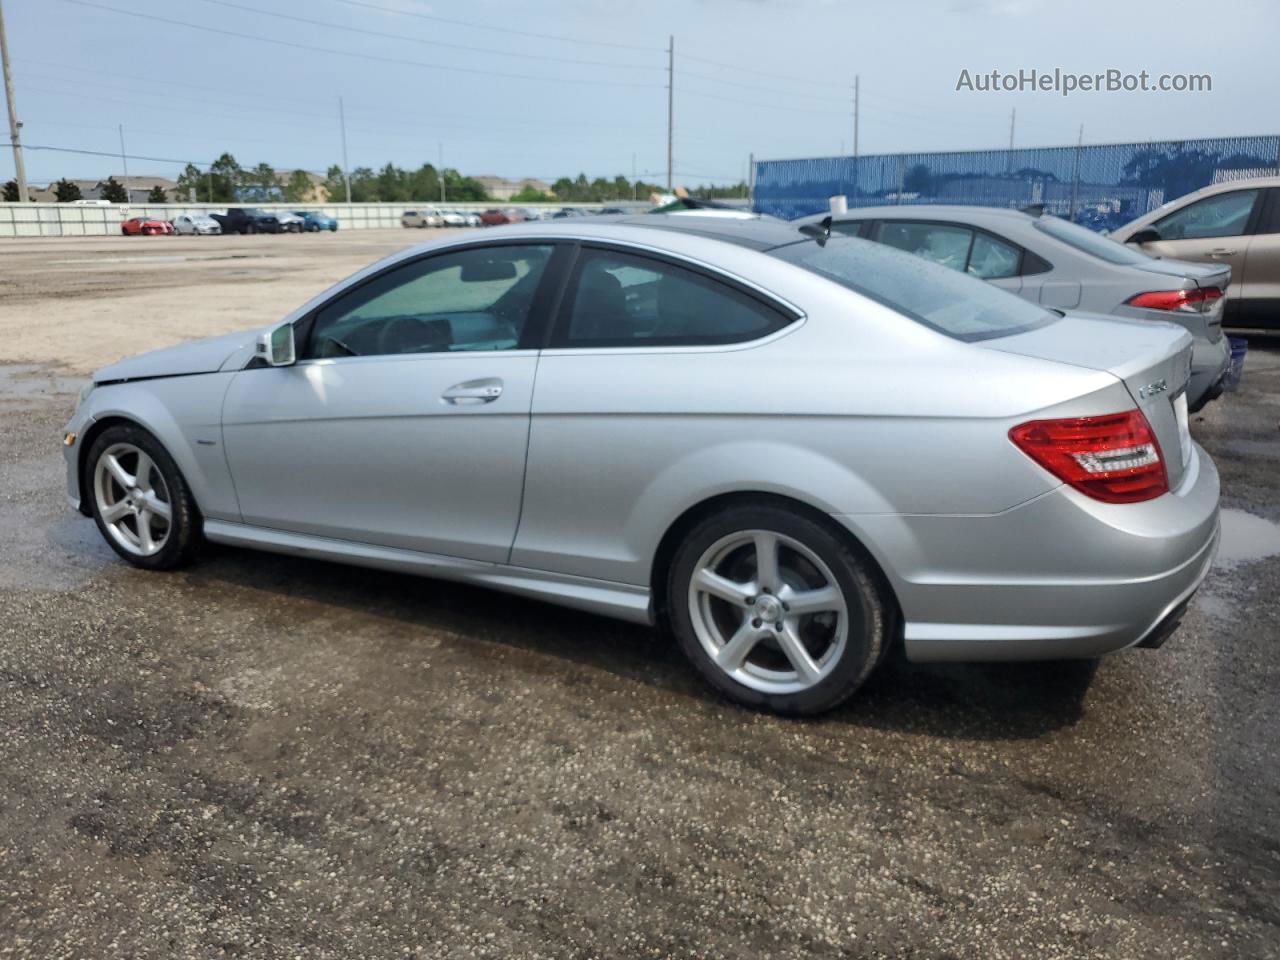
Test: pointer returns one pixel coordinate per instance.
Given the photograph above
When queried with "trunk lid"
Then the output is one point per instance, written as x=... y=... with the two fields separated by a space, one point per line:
x=1153 y=360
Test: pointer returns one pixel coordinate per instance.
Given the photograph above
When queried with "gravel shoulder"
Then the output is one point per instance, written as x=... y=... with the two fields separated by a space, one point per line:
x=263 y=756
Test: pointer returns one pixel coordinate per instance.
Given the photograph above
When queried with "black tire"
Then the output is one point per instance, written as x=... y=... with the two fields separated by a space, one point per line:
x=251 y=228
x=868 y=613
x=184 y=536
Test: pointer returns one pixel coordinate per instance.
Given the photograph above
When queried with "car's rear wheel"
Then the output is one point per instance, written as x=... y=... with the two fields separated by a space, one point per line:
x=775 y=610
x=140 y=500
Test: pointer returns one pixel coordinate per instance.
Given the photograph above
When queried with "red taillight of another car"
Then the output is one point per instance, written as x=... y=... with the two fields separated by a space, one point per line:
x=1199 y=300
x=1114 y=458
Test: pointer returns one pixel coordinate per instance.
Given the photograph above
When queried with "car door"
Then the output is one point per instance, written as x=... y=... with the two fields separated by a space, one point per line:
x=1258 y=304
x=1213 y=229
x=405 y=421
x=644 y=365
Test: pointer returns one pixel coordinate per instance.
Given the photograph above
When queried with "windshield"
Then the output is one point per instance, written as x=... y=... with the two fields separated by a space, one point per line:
x=942 y=299
x=1086 y=241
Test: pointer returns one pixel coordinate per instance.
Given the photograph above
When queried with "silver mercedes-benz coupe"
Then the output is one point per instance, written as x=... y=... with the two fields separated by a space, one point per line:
x=795 y=452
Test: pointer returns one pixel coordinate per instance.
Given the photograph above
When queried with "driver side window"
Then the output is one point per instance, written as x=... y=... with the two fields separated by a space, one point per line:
x=474 y=299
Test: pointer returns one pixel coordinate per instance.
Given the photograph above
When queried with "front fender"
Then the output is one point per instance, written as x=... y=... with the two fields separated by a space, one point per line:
x=185 y=415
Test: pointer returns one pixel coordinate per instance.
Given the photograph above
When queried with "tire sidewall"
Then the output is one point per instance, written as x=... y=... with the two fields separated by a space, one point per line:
x=184 y=532
x=868 y=617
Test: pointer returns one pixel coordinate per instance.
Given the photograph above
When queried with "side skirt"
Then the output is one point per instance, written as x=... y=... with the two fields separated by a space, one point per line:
x=620 y=600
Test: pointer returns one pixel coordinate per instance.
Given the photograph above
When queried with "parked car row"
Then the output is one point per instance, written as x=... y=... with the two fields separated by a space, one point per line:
x=494 y=217
x=242 y=220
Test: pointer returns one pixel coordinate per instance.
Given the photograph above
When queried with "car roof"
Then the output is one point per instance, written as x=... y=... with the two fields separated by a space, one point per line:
x=756 y=233
x=925 y=211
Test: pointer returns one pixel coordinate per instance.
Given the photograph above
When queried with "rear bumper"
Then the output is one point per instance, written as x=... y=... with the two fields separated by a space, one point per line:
x=1059 y=577
x=1209 y=362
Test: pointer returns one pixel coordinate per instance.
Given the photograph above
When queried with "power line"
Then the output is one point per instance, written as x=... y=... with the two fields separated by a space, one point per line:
x=151 y=18
x=491 y=27
x=346 y=28
x=750 y=86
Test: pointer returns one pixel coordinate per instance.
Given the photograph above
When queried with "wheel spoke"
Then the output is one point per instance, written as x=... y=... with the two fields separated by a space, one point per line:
x=815 y=601
x=142 y=474
x=158 y=507
x=115 y=512
x=738 y=647
x=145 y=540
x=767 y=562
x=122 y=476
x=708 y=581
x=792 y=646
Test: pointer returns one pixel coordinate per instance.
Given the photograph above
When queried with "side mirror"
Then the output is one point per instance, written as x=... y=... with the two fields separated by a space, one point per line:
x=276 y=346
x=1145 y=235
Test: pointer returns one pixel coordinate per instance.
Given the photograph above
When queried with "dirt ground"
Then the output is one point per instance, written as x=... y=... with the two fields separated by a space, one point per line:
x=263 y=756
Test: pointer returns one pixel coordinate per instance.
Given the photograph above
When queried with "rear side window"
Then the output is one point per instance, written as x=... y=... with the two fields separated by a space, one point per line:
x=1223 y=215
x=619 y=299
x=955 y=246
x=942 y=299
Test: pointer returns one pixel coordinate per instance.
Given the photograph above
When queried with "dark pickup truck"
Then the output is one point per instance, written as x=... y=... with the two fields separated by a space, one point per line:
x=249 y=220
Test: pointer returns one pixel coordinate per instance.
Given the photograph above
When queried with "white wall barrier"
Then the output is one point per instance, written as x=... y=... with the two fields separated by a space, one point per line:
x=74 y=220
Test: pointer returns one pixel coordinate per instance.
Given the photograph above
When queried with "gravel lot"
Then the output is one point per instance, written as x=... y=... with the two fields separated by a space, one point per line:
x=271 y=757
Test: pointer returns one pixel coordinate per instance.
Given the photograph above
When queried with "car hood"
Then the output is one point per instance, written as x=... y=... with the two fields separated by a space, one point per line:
x=198 y=356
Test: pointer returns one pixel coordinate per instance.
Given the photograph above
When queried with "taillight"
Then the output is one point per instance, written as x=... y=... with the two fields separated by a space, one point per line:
x=1114 y=458
x=1199 y=300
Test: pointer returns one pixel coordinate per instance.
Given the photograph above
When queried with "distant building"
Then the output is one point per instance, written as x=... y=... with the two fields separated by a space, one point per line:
x=317 y=193
x=501 y=188
x=139 y=188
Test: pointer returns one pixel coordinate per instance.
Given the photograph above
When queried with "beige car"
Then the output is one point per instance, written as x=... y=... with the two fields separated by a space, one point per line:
x=1235 y=223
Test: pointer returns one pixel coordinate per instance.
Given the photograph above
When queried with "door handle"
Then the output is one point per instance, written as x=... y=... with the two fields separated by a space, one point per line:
x=472 y=392
x=1221 y=252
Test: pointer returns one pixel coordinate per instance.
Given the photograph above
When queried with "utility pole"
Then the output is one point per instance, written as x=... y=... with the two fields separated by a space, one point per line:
x=1075 y=176
x=751 y=181
x=856 y=80
x=124 y=158
x=1008 y=157
x=14 y=126
x=342 y=122
x=441 y=154
x=671 y=100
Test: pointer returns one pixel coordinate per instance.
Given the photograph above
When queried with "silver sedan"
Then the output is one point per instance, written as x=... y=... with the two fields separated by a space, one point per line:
x=1062 y=265
x=795 y=453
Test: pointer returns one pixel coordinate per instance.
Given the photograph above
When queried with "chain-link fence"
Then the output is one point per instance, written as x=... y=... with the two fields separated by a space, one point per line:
x=1101 y=185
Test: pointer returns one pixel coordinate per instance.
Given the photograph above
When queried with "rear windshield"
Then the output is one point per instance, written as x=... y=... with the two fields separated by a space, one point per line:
x=942 y=299
x=1094 y=244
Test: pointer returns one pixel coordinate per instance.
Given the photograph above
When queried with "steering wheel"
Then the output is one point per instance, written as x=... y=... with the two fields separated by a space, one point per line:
x=396 y=335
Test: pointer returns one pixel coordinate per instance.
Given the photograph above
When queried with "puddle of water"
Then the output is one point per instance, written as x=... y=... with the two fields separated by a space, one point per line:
x=24 y=381
x=1246 y=537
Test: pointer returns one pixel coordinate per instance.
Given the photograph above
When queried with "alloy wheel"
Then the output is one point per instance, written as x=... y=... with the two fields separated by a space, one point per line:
x=132 y=499
x=768 y=611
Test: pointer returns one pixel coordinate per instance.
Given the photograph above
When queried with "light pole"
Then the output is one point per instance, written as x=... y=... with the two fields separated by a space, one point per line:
x=20 y=171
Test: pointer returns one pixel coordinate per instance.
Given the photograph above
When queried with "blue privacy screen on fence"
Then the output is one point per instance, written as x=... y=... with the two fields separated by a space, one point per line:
x=1101 y=185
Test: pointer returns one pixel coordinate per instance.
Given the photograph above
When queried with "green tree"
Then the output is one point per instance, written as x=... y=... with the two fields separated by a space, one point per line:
x=64 y=191
x=192 y=185
x=157 y=195
x=299 y=187
x=391 y=184
x=463 y=189
x=364 y=185
x=11 y=191
x=113 y=191
x=532 y=195
x=225 y=178
x=335 y=184
x=424 y=184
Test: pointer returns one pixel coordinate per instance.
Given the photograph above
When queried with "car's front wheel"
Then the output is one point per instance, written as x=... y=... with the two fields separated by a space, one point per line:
x=140 y=500
x=775 y=610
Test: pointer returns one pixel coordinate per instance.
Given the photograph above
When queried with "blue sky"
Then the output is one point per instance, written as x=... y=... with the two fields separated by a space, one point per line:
x=546 y=89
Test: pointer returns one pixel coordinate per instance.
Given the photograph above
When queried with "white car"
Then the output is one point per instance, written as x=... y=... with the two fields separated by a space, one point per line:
x=196 y=224
x=472 y=219
x=451 y=218
x=290 y=222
